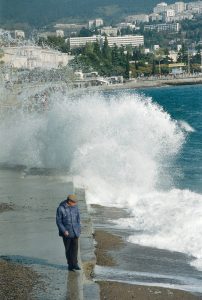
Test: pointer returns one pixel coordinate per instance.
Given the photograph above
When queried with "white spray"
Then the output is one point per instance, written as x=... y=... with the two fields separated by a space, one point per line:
x=119 y=148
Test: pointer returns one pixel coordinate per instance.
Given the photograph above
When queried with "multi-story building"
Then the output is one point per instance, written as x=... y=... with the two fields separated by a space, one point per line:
x=179 y=7
x=125 y=25
x=60 y=33
x=155 y=17
x=171 y=27
x=160 y=8
x=133 y=40
x=182 y=16
x=195 y=7
x=126 y=40
x=168 y=15
x=95 y=23
x=77 y=42
x=70 y=26
x=141 y=18
x=109 y=31
x=30 y=57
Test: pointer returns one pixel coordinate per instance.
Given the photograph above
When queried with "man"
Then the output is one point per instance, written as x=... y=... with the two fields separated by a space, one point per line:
x=68 y=222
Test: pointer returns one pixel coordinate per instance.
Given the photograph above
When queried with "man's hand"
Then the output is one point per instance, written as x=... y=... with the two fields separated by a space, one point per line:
x=66 y=233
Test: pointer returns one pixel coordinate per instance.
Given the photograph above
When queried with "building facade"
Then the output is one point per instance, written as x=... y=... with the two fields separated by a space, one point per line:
x=77 y=42
x=109 y=31
x=133 y=40
x=31 y=57
x=160 y=8
x=126 y=40
x=171 y=27
x=140 y=18
x=95 y=23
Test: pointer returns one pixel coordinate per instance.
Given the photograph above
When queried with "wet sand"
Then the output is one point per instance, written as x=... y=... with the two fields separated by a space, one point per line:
x=123 y=291
x=115 y=290
x=106 y=241
x=17 y=281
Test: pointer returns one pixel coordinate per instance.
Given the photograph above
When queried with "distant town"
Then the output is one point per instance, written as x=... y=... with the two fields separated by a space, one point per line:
x=167 y=42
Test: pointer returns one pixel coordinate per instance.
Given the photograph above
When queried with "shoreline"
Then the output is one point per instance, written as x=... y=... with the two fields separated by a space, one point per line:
x=111 y=290
x=139 y=84
x=115 y=255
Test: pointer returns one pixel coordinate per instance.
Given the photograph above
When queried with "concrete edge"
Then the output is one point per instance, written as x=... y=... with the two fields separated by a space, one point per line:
x=91 y=289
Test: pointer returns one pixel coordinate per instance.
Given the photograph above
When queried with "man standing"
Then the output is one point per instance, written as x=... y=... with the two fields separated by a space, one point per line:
x=68 y=222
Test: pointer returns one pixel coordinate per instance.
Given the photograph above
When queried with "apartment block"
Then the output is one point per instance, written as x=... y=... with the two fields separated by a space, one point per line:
x=171 y=27
x=109 y=31
x=141 y=18
x=133 y=40
x=126 y=40
x=95 y=23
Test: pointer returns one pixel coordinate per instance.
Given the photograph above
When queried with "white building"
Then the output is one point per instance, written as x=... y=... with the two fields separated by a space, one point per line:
x=109 y=31
x=168 y=15
x=125 y=25
x=173 y=55
x=31 y=57
x=183 y=16
x=155 y=17
x=171 y=27
x=160 y=8
x=179 y=7
x=140 y=18
x=133 y=40
x=77 y=42
x=95 y=23
x=70 y=26
x=60 y=33
x=126 y=40
x=156 y=47
x=195 y=7
x=19 y=34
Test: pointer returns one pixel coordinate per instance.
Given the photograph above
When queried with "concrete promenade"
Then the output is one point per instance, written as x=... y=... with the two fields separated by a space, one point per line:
x=29 y=236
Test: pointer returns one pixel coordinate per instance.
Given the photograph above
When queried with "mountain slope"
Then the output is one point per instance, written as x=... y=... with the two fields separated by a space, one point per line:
x=41 y=12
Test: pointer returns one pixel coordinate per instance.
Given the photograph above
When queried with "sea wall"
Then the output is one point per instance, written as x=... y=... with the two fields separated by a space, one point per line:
x=87 y=250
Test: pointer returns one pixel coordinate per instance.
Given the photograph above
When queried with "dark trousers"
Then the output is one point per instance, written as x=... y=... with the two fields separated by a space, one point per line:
x=71 y=250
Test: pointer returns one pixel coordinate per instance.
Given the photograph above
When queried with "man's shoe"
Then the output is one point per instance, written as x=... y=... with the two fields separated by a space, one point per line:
x=70 y=268
x=76 y=267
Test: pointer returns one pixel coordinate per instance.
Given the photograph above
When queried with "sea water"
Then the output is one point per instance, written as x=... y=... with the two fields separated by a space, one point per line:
x=139 y=150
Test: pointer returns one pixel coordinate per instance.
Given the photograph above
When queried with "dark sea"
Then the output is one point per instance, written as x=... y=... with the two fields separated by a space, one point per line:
x=184 y=104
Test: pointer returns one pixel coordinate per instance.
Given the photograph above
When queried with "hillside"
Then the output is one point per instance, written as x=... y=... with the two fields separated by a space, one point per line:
x=41 y=12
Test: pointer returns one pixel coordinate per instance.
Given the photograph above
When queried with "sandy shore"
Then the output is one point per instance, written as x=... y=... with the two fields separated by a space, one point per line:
x=115 y=290
x=16 y=281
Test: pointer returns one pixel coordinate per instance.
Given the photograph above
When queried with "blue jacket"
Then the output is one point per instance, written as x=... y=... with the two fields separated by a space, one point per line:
x=68 y=219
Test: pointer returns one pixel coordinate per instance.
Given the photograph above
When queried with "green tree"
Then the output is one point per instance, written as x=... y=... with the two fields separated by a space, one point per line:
x=182 y=55
x=106 y=50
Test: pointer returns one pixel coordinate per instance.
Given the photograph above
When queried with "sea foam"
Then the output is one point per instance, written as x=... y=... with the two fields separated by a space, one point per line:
x=122 y=149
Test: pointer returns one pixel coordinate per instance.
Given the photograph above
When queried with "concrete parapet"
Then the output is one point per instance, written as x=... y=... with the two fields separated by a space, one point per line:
x=87 y=254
